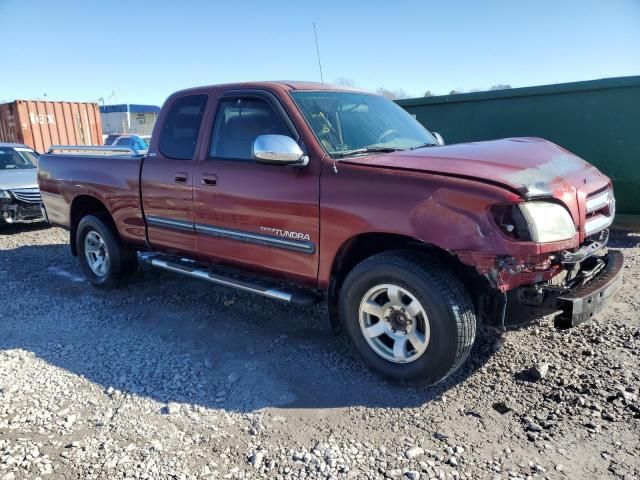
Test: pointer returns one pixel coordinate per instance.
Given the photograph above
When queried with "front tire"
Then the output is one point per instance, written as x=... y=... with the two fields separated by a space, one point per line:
x=105 y=260
x=409 y=317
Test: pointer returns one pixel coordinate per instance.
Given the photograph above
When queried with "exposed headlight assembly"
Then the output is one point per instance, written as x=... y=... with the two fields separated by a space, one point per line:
x=536 y=221
x=548 y=222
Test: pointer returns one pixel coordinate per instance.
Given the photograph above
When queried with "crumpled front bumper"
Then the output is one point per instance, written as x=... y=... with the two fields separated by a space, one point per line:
x=581 y=303
x=13 y=211
x=572 y=305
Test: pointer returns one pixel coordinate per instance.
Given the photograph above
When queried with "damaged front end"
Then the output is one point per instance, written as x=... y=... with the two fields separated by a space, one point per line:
x=574 y=282
x=589 y=276
x=19 y=205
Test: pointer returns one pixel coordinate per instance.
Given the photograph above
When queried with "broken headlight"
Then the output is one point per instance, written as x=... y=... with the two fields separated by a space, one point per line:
x=511 y=222
x=535 y=221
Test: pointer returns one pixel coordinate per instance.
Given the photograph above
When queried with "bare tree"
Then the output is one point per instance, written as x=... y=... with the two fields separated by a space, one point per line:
x=397 y=94
x=499 y=86
x=345 y=81
x=429 y=93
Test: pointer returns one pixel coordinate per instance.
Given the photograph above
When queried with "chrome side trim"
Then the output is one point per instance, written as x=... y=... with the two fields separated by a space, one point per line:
x=238 y=235
x=96 y=149
x=597 y=223
x=598 y=202
x=169 y=223
x=257 y=238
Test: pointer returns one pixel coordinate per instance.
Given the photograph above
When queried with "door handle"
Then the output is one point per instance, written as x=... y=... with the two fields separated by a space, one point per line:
x=209 y=179
x=180 y=177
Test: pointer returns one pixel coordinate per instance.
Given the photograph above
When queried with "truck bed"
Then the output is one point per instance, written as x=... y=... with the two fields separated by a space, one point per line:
x=113 y=179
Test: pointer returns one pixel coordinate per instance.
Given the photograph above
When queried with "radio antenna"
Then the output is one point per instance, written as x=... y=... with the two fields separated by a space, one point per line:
x=315 y=33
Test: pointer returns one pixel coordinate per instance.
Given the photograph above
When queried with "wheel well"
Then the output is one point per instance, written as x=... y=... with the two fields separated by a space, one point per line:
x=82 y=206
x=363 y=246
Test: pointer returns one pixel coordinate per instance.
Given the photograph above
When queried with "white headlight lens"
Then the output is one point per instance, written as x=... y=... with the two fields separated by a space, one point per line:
x=4 y=194
x=548 y=222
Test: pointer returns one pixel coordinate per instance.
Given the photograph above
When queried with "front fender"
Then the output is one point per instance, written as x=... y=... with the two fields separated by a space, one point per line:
x=448 y=212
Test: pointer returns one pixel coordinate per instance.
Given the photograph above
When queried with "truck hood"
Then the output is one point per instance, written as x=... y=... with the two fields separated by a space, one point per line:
x=10 y=179
x=533 y=167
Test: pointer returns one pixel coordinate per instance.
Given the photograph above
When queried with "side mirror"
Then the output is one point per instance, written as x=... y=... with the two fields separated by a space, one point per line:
x=278 y=150
x=438 y=138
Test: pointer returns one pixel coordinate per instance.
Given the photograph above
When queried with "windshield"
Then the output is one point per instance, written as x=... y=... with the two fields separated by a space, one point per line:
x=17 y=158
x=355 y=123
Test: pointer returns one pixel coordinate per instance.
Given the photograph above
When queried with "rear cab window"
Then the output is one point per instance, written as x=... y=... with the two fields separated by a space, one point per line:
x=179 y=135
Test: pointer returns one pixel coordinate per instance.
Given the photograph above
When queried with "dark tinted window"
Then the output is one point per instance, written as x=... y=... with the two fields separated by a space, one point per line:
x=111 y=139
x=239 y=121
x=180 y=130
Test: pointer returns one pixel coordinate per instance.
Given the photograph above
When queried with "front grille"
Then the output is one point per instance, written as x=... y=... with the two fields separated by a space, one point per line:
x=601 y=209
x=26 y=195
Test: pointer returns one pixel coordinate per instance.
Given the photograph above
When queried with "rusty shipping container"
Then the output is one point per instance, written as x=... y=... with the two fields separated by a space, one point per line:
x=40 y=124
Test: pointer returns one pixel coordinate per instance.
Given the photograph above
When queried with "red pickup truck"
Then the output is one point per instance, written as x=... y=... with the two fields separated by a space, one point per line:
x=304 y=192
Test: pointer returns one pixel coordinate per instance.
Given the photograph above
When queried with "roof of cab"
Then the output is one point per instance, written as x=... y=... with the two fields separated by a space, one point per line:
x=302 y=85
x=283 y=84
x=14 y=145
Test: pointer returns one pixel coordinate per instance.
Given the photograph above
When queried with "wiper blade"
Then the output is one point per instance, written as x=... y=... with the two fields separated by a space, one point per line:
x=423 y=145
x=358 y=151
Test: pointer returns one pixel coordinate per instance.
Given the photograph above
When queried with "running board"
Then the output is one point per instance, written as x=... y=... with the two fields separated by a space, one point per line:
x=230 y=278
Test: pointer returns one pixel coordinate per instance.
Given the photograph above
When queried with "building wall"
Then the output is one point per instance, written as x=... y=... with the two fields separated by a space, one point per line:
x=128 y=122
x=113 y=122
x=597 y=120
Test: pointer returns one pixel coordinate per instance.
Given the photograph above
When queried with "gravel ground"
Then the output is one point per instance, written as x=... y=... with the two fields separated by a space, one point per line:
x=173 y=378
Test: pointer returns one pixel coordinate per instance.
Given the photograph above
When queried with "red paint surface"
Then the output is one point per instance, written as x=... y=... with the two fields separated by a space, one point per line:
x=440 y=196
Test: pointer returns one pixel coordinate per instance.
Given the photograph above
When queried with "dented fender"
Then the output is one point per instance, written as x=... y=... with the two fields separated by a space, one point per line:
x=450 y=213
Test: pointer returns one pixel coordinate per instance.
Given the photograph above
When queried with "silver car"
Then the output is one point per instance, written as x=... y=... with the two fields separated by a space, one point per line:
x=19 y=193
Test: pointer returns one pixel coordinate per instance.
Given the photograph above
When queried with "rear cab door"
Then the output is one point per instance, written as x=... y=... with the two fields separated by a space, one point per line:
x=166 y=182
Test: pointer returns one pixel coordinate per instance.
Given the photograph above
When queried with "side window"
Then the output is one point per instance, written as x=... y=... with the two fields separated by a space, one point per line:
x=140 y=145
x=238 y=122
x=181 y=126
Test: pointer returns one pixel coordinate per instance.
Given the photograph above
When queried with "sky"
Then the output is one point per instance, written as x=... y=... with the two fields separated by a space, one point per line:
x=140 y=51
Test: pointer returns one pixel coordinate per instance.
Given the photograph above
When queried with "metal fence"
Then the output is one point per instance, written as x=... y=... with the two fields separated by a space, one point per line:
x=598 y=120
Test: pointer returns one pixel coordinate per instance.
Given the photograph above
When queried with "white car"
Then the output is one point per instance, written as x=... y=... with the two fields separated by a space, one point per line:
x=19 y=192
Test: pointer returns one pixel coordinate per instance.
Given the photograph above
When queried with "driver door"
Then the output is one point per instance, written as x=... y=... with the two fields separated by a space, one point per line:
x=250 y=214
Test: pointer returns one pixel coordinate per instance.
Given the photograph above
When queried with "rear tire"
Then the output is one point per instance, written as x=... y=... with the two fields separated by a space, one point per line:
x=409 y=317
x=105 y=260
